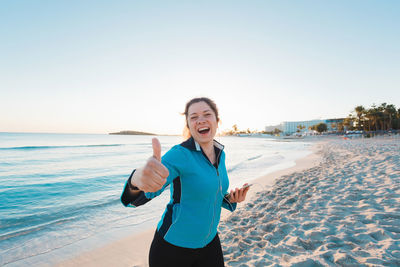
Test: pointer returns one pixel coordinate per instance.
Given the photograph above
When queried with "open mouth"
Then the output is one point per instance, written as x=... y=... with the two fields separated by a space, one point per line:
x=203 y=130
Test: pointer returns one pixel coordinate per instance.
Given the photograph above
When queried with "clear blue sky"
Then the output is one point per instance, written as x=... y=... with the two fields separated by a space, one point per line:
x=102 y=66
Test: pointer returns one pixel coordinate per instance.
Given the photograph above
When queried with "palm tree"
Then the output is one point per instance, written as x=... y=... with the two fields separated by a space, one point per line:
x=396 y=122
x=382 y=116
x=367 y=120
x=235 y=128
x=300 y=127
x=373 y=113
x=390 y=111
x=348 y=122
x=360 y=111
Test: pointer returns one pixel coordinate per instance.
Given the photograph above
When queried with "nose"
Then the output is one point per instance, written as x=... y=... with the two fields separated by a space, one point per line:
x=201 y=119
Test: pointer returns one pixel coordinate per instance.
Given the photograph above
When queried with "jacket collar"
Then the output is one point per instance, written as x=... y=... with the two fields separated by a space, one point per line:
x=193 y=145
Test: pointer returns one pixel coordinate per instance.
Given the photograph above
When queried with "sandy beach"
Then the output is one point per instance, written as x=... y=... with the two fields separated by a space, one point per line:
x=339 y=206
x=343 y=212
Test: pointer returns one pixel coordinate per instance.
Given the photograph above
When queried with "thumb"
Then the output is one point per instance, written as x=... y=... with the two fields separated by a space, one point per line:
x=156 y=149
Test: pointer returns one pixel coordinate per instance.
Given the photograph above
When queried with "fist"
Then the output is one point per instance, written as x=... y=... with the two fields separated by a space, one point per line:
x=153 y=175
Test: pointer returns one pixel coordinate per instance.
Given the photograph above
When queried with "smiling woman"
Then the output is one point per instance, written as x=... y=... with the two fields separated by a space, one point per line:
x=187 y=234
x=201 y=107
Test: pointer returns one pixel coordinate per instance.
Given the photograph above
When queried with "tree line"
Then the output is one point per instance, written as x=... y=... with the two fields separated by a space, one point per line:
x=384 y=117
x=376 y=118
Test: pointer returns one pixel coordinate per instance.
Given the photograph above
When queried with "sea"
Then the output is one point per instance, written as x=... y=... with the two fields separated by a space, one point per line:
x=60 y=193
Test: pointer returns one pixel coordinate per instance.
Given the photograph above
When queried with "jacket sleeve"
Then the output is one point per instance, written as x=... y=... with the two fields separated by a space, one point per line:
x=226 y=204
x=133 y=197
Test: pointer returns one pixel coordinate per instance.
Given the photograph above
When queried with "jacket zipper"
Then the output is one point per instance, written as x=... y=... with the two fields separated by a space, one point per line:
x=219 y=190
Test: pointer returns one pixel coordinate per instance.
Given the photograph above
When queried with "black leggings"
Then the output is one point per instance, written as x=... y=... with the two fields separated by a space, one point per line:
x=163 y=253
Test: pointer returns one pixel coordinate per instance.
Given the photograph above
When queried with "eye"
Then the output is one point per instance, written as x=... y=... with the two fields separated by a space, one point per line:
x=194 y=118
x=208 y=114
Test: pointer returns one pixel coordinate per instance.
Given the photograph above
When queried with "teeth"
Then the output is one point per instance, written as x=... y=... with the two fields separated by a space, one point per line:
x=201 y=129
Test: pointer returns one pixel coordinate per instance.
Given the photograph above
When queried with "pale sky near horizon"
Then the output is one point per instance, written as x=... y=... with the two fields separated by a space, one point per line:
x=105 y=66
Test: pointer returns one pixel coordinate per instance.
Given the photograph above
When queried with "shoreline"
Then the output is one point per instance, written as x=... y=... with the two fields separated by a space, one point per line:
x=134 y=249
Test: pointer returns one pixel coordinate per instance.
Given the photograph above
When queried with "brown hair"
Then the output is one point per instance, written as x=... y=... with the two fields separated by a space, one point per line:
x=208 y=101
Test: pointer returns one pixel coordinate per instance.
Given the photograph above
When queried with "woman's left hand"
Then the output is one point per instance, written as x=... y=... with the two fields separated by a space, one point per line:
x=238 y=195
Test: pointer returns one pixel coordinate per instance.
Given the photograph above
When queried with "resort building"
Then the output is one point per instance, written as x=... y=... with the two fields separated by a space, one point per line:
x=271 y=128
x=291 y=127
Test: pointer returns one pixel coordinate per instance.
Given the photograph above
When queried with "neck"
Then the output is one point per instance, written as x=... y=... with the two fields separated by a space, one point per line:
x=207 y=146
x=208 y=149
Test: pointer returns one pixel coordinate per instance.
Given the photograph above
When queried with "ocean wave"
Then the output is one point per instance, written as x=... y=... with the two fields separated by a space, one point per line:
x=252 y=162
x=11 y=227
x=54 y=147
x=255 y=157
x=33 y=228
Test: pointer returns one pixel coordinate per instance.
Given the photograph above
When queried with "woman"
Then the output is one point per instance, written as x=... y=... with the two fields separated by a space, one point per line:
x=187 y=232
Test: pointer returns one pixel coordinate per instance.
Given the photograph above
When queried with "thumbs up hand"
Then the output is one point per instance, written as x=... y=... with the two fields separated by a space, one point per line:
x=156 y=149
x=153 y=175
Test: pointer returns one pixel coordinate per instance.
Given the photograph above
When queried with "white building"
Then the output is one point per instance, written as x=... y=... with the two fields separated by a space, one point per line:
x=291 y=127
x=271 y=128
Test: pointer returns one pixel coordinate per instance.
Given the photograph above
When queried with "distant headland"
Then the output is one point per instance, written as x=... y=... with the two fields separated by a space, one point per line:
x=132 y=133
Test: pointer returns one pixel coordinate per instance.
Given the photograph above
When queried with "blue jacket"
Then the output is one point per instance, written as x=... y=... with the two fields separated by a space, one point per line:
x=198 y=190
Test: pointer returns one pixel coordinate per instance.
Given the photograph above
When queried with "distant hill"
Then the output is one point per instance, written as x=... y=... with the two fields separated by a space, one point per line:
x=132 y=133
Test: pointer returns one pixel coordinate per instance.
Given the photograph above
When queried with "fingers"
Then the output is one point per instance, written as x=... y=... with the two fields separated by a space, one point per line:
x=154 y=175
x=156 y=149
x=245 y=192
x=238 y=195
x=152 y=185
x=150 y=174
x=157 y=167
x=234 y=195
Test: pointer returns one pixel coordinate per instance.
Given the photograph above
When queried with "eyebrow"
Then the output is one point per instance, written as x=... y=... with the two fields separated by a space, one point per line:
x=204 y=111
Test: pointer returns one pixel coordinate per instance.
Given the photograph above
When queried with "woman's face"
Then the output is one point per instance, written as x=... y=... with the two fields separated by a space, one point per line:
x=202 y=122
